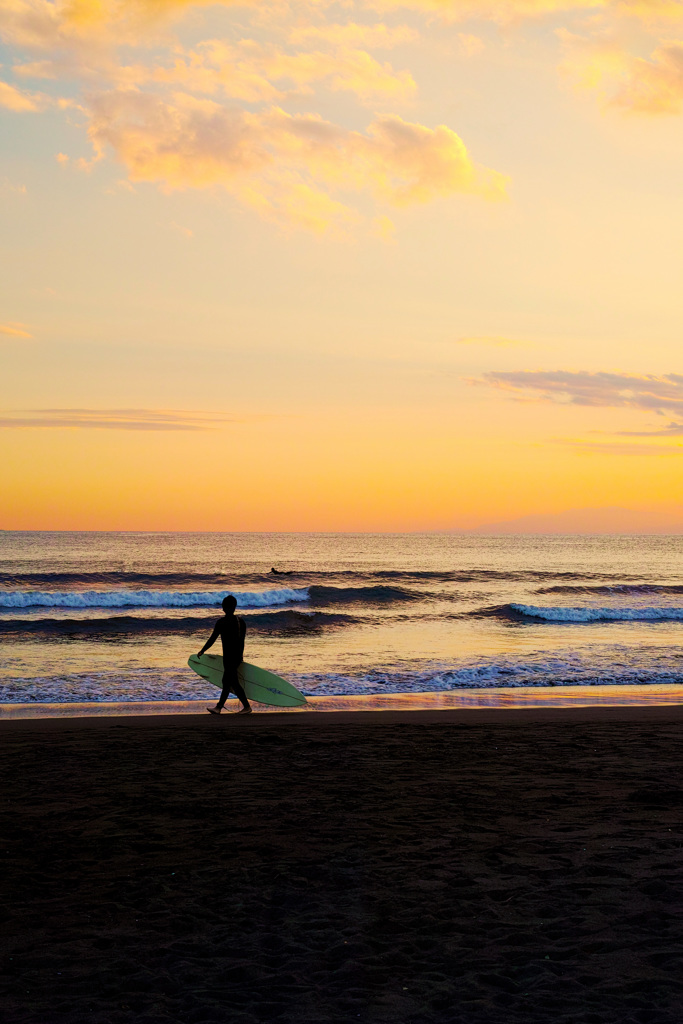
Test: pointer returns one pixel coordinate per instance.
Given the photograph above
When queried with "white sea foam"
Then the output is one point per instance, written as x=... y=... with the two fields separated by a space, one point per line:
x=149 y=598
x=135 y=684
x=620 y=666
x=599 y=614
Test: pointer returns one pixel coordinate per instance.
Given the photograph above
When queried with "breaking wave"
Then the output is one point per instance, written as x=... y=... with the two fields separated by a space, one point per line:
x=531 y=611
x=149 y=598
x=488 y=674
x=322 y=596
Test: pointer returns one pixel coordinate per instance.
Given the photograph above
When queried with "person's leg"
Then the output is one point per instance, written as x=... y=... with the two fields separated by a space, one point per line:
x=238 y=689
x=231 y=684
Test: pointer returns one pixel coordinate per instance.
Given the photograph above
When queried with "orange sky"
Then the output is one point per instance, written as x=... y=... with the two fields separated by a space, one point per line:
x=360 y=266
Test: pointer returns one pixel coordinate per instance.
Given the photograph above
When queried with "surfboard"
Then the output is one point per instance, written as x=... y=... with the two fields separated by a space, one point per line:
x=259 y=685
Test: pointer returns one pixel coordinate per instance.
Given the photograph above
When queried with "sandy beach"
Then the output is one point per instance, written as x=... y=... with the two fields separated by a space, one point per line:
x=470 y=866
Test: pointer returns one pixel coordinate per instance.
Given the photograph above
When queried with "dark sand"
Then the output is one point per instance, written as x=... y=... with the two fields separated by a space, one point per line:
x=471 y=866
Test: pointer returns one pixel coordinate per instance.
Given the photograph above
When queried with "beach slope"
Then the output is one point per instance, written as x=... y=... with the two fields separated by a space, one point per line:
x=472 y=866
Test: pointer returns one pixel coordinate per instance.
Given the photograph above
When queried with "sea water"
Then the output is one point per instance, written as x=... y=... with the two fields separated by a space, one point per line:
x=114 y=616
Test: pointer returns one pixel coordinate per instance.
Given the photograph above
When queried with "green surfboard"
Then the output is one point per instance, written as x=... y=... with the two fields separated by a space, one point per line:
x=259 y=685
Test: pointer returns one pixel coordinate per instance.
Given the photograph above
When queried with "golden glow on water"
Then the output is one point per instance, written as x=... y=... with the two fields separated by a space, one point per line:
x=503 y=697
x=430 y=620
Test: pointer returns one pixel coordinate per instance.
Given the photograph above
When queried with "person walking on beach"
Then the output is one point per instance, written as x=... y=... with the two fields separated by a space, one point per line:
x=232 y=630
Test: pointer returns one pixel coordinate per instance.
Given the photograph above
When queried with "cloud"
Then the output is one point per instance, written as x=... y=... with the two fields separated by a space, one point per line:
x=284 y=165
x=354 y=71
x=514 y=10
x=214 y=115
x=607 y=390
x=114 y=419
x=653 y=86
x=671 y=430
x=185 y=232
x=470 y=45
x=640 y=85
x=9 y=188
x=42 y=24
x=384 y=228
x=46 y=22
x=410 y=163
x=54 y=24
x=249 y=71
x=19 y=100
x=70 y=25
x=15 y=330
x=646 y=393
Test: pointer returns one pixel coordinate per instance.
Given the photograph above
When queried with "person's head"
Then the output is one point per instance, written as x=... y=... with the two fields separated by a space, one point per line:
x=229 y=604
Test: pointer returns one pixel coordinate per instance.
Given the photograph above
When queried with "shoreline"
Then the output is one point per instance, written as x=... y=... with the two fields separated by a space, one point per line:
x=504 y=699
x=477 y=719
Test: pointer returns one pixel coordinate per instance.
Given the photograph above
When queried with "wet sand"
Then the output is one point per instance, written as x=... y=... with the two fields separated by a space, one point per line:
x=424 y=867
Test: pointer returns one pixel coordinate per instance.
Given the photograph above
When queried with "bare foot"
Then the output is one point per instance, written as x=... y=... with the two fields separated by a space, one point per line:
x=245 y=711
x=214 y=711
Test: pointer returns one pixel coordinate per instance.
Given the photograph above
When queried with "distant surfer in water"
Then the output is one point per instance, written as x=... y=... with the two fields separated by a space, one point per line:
x=281 y=572
x=232 y=631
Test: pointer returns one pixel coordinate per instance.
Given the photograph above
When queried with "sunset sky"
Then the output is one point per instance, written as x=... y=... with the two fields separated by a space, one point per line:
x=340 y=266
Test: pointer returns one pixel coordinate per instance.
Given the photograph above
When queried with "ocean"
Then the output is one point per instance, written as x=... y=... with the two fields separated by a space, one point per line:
x=108 y=617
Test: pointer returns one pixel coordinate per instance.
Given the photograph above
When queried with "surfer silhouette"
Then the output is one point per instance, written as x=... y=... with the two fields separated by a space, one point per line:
x=232 y=631
x=281 y=572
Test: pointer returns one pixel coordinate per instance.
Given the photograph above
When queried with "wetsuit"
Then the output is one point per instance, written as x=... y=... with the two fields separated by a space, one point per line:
x=232 y=631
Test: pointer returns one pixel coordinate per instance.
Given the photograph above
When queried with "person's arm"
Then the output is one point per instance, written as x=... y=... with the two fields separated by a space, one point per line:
x=211 y=641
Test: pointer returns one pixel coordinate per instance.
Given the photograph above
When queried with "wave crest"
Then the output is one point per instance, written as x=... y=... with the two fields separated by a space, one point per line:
x=597 y=614
x=150 y=598
x=125 y=598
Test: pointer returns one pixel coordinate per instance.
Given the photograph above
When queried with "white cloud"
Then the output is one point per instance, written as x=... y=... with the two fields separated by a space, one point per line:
x=20 y=100
x=286 y=166
x=215 y=114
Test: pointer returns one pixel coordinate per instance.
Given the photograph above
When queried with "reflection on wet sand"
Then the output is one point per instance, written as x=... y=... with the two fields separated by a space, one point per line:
x=503 y=697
